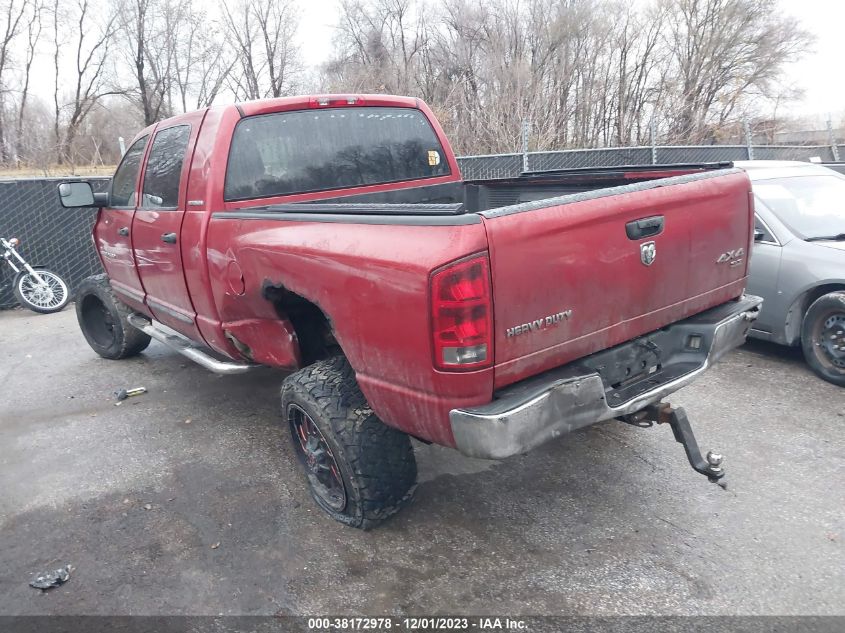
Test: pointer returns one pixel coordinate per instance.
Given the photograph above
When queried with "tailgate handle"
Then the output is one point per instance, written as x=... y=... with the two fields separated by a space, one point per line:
x=646 y=227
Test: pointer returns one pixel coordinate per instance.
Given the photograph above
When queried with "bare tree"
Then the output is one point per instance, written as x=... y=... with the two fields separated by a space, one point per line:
x=202 y=63
x=263 y=33
x=33 y=36
x=13 y=16
x=584 y=73
x=638 y=64
x=381 y=43
x=94 y=27
x=150 y=31
x=724 y=53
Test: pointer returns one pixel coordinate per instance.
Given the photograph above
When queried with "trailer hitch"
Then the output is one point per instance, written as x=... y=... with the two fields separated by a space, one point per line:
x=663 y=413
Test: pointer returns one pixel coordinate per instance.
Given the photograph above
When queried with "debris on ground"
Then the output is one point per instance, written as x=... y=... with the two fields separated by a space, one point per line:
x=148 y=506
x=123 y=394
x=216 y=545
x=50 y=579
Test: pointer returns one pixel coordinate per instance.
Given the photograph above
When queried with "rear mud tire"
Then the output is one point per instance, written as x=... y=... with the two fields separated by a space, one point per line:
x=375 y=462
x=103 y=320
x=823 y=337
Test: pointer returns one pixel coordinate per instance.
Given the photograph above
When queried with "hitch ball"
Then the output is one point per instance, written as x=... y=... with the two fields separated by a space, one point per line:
x=714 y=460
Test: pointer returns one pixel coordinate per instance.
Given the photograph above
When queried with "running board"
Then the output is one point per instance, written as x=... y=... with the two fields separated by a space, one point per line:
x=185 y=346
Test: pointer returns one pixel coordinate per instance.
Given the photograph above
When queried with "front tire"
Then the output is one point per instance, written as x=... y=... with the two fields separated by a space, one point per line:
x=823 y=337
x=52 y=296
x=359 y=470
x=103 y=319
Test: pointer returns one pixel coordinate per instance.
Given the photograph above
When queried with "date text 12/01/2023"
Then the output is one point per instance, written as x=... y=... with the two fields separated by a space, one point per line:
x=416 y=623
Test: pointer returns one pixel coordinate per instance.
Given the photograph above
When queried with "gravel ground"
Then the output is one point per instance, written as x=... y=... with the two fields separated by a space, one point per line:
x=609 y=520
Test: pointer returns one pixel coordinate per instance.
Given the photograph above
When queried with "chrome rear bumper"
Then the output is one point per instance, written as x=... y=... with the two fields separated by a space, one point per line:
x=536 y=410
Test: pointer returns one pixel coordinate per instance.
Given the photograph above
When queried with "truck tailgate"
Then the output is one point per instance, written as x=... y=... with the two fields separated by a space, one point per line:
x=577 y=274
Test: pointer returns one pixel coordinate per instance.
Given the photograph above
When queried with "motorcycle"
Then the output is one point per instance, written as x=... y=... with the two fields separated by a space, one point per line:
x=34 y=287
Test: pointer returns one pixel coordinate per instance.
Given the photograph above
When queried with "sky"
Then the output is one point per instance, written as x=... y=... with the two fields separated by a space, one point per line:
x=317 y=28
x=820 y=73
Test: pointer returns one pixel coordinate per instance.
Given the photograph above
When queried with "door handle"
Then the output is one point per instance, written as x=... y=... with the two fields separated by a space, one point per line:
x=124 y=231
x=169 y=238
x=645 y=227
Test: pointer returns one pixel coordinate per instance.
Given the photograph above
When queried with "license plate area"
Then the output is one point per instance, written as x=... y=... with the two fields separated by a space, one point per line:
x=645 y=363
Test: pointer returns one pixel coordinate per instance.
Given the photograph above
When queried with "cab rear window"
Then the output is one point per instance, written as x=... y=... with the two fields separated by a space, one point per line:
x=318 y=150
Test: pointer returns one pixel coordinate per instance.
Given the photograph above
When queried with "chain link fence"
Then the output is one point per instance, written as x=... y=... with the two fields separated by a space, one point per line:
x=511 y=165
x=51 y=236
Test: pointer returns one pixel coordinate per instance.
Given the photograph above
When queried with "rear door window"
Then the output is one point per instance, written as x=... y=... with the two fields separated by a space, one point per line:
x=125 y=179
x=317 y=150
x=164 y=168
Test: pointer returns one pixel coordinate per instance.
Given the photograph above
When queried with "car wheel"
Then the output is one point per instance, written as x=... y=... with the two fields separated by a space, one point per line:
x=823 y=337
x=359 y=470
x=103 y=320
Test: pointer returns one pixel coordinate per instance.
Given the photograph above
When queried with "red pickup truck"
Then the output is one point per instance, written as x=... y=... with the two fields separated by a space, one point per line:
x=332 y=236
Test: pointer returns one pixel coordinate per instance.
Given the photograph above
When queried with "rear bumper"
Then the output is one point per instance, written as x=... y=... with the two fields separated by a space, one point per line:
x=605 y=385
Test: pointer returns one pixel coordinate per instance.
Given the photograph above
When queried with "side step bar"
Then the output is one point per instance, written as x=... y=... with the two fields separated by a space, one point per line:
x=186 y=347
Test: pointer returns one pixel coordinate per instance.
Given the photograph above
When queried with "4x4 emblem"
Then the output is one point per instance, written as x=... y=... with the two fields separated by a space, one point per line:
x=648 y=252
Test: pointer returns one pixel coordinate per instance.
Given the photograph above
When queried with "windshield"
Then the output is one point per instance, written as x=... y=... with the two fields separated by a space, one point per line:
x=811 y=206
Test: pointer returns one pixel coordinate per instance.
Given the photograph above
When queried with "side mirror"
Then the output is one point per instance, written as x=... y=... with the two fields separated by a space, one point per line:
x=79 y=194
x=758 y=235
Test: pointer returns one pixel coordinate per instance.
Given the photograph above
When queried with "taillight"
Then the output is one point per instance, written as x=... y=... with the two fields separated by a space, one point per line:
x=461 y=314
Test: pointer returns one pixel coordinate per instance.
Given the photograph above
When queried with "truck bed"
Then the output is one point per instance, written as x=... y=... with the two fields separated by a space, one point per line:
x=568 y=270
x=475 y=196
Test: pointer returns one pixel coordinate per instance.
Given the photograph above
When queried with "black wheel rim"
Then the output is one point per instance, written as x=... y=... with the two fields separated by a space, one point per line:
x=98 y=321
x=317 y=458
x=829 y=341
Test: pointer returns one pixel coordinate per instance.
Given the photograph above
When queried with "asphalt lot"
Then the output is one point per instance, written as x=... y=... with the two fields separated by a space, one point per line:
x=609 y=520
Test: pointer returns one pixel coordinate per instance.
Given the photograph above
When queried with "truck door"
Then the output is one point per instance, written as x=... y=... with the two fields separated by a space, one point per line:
x=112 y=231
x=157 y=225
